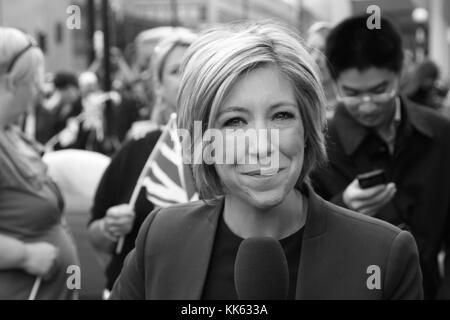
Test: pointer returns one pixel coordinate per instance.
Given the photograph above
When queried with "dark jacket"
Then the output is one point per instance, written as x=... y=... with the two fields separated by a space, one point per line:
x=174 y=247
x=420 y=168
x=51 y=122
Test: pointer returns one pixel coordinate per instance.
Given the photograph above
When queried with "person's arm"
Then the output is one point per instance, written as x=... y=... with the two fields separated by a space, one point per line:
x=130 y=285
x=117 y=223
x=370 y=200
x=100 y=238
x=34 y=258
x=13 y=253
x=110 y=219
x=403 y=276
x=107 y=192
x=367 y=201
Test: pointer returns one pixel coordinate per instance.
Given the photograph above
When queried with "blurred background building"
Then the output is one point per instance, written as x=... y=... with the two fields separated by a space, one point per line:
x=46 y=20
x=425 y=24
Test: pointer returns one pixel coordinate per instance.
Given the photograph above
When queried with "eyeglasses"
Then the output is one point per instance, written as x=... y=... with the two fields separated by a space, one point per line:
x=31 y=44
x=383 y=97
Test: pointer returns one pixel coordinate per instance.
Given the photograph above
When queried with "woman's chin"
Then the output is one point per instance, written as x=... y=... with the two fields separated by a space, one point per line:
x=266 y=200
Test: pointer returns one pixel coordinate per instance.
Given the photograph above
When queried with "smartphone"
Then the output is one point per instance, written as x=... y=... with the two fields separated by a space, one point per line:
x=372 y=178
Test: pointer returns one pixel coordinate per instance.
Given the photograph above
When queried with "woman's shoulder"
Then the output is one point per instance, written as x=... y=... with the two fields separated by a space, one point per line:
x=188 y=210
x=357 y=245
x=356 y=224
x=179 y=222
x=180 y=216
x=369 y=237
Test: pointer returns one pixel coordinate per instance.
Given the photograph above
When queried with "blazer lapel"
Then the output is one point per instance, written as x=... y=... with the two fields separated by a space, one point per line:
x=312 y=259
x=189 y=266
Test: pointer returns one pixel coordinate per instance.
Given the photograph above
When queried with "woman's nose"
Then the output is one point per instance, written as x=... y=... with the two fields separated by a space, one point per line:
x=262 y=143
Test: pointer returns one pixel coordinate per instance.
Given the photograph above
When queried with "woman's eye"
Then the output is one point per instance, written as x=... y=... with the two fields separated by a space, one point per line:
x=234 y=122
x=283 y=116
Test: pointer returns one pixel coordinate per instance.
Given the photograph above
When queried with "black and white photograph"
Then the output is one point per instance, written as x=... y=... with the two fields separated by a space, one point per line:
x=224 y=154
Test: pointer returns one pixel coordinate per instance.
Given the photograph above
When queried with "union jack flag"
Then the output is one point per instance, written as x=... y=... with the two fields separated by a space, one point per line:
x=166 y=179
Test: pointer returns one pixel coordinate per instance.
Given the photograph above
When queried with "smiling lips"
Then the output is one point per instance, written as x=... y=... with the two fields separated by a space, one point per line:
x=263 y=172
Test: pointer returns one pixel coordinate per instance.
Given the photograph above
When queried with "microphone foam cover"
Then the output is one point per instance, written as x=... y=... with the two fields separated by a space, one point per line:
x=261 y=271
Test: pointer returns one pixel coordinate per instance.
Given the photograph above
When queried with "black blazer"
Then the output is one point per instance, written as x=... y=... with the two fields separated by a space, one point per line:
x=339 y=247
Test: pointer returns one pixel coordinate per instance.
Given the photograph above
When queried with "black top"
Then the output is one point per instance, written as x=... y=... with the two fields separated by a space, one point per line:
x=219 y=283
x=51 y=122
x=116 y=187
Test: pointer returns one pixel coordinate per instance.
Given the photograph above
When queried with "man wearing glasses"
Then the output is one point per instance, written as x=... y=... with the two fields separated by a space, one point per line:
x=374 y=128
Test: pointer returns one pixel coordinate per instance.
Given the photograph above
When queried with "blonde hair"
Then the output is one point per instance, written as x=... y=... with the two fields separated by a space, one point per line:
x=214 y=63
x=12 y=41
x=177 y=37
x=322 y=27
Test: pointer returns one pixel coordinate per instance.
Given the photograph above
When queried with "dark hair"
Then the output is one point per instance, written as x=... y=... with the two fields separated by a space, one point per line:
x=63 y=80
x=427 y=69
x=351 y=44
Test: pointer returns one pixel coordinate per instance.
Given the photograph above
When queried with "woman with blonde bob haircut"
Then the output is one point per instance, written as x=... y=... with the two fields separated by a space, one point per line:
x=257 y=46
x=35 y=247
x=261 y=233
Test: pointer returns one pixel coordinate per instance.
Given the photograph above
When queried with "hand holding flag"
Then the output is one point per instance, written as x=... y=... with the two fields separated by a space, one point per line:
x=165 y=177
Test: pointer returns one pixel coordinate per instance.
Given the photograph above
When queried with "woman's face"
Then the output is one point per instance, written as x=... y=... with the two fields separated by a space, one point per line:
x=23 y=98
x=28 y=91
x=261 y=101
x=171 y=77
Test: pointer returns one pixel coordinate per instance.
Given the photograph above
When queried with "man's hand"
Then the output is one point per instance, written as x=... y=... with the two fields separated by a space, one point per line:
x=119 y=220
x=368 y=201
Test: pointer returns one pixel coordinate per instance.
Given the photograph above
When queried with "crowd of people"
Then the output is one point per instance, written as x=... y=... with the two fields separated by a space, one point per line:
x=362 y=176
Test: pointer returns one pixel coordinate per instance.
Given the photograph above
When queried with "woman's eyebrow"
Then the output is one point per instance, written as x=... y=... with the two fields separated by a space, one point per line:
x=283 y=104
x=233 y=109
x=246 y=111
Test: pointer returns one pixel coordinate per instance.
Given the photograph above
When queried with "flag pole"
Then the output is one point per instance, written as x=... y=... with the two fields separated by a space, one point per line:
x=35 y=289
x=140 y=180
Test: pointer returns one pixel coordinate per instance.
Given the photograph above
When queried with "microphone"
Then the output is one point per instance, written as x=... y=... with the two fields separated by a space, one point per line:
x=261 y=270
